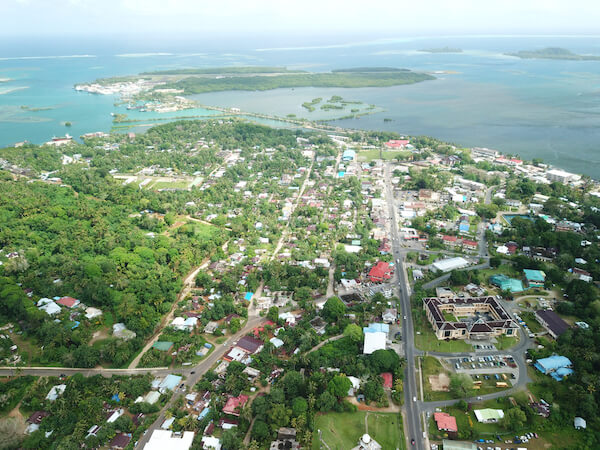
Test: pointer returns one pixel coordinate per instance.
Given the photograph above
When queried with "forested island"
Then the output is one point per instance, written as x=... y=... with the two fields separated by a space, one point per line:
x=442 y=50
x=199 y=81
x=553 y=53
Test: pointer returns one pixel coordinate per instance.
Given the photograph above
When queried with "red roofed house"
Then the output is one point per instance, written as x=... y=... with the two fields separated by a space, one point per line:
x=69 y=302
x=387 y=380
x=469 y=245
x=235 y=404
x=396 y=143
x=380 y=272
x=450 y=240
x=445 y=422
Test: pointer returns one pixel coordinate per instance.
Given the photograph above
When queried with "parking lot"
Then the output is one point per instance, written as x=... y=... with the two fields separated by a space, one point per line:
x=484 y=365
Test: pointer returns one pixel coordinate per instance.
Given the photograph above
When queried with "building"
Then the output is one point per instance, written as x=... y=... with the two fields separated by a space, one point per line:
x=164 y=439
x=380 y=272
x=170 y=382
x=470 y=245
x=551 y=322
x=445 y=422
x=560 y=176
x=374 y=341
x=488 y=415
x=389 y=315
x=250 y=344
x=120 y=441
x=458 y=445
x=69 y=302
x=558 y=367
x=348 y=155
x=397 y=143
x=534 y=278
x=211 y=443
x=56 y=392
x=482 y=152
x=506 y=283
x=449 y=264
x=468 y=318
x=579 y=423
x=366 y=442
x=234 y=405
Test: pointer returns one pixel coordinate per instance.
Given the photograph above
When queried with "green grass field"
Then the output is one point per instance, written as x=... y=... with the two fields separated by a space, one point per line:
x=505 y=342
x=169 y=185
x=427 y=340
x=341 y=431
x=531 y=322
x=370 y=155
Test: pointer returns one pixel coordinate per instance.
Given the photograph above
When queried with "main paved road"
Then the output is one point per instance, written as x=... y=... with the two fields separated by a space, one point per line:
x=413 y=428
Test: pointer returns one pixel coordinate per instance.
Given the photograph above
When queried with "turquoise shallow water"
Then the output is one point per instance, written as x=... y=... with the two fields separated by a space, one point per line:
x=533 y=108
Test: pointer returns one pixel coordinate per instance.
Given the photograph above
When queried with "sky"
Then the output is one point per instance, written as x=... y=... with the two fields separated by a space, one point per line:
x=294 y=17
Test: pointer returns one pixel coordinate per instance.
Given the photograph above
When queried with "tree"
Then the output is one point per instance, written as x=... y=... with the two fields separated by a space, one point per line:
x=261 y=431
x=299 y=406
x=339 y=386
x=326 y=401
x=230 y=440
x=292 y=384
x=354 y=332
x=384 y=360
x=513 y=419
x=333 y=309
x=461 y=385
x=273 y=314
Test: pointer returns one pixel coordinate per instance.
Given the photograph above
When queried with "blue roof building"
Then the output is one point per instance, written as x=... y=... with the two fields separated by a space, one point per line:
x=348 y=155
x=463 y=227
x=535 y=278
x=377 y=327
x=170 y=382
x=558 y=367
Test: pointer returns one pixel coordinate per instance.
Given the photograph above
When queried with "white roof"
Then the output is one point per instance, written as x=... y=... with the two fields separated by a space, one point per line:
x=50 y=308
x=355 y=382
x=276 y=342
x=178 y=321
x=374 y=341
x=152 y=397
x=92 y=312
x=162 y=439
x=115 y=415
x=448 y=264
x=167 y=423
x=55 y=392
x=210 y=443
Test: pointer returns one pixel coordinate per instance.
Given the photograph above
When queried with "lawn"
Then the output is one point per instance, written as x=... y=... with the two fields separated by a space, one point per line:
x=181 y=184
x=505 y=342
x=531 y=322
x=370 y=155
x=427 y=340
x=432 y=366
x=341 y=431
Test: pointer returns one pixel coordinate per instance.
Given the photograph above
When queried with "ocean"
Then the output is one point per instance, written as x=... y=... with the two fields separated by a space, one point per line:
x=531 y=108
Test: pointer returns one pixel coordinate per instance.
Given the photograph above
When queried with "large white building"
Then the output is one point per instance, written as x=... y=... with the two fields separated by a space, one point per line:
x=561 y=176
x=165 y=439
x=449 y=264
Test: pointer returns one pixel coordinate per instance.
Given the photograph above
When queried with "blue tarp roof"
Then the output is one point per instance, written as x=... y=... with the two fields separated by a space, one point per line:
x=116 y=398
x=534 y=275
x=203 y=414
x=248 y=296
x=375 y=327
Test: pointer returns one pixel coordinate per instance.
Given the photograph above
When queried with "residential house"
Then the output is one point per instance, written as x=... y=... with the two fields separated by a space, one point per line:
x=234 y=405
x=445 y=422
x=552 y=322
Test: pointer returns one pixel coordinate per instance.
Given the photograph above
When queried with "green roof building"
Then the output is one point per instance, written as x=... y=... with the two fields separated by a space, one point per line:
x=506 y=283
x=535 y=278
x=163 y=346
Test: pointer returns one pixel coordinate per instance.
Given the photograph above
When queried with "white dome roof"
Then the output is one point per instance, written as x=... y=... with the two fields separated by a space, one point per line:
x=366 y=438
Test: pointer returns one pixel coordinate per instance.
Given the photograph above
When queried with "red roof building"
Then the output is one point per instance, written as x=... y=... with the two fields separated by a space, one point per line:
x=380 y=272
x=445 y=422
x=120 y=441
x=387 y=380
x=235 y=404
x=471 y=245
x=69 y=302
x=397 y=143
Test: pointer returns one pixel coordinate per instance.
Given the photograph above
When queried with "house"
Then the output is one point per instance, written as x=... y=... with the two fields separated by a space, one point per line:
x=389 y=315
x=120 y=331
x=319 y=325
x=450 y=241
x=579 y=423
x=210 y=443
x=35 y=420
x=552 y=322
x=48 y=306
x=387 y=380
x=469 y=245
x=184 y=324
x=286 y=440
x=558 y=367
x=374 y=341
x=211 y=327
x=56 y=392
x=92 y=313
x=164 y=439
x=250 y=344
x=397 y=143
x=348 y=155
x=355 y=385
x=170 y=382
x=277 y=343
x=445 y=422
x=69 y=302
x=488 y=415
x=534 y=278
x=380 y=272
x=120 y=441
x=506 y=283
x=470 y=318
x=234 y=405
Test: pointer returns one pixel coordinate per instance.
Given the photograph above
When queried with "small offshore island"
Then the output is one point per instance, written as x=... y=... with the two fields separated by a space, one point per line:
x=553 y=53
x=442 y=50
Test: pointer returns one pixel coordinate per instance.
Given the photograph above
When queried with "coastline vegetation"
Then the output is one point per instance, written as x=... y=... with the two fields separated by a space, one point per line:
x=553 y=53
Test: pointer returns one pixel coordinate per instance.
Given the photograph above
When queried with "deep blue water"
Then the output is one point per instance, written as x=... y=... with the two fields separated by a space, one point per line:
x=533 y=108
